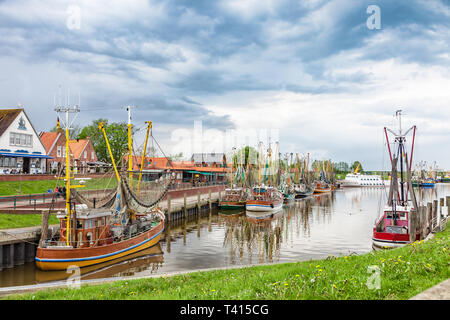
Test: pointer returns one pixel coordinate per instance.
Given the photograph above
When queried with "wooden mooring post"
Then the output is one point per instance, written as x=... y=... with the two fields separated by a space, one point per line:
x=412 y=226
x=429 y=214
x=434 y=214
x=209 y=199
x=198 y=202
x=185 y=206
x=168 y=208
x=423 y=221
x=448 y=204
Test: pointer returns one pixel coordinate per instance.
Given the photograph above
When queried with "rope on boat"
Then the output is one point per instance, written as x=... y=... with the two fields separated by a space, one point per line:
x=147 y=205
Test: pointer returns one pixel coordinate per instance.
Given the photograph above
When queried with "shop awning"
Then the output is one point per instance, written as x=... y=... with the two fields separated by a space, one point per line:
x=24 y=155
x=199 y=172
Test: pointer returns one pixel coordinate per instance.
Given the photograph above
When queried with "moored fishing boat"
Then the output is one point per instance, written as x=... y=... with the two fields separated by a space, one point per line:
x=95 y=232
x=259 y=216
x=233 y=199
x=264 y=198
x=322 y=187
x=394 y=227
x=303 y=191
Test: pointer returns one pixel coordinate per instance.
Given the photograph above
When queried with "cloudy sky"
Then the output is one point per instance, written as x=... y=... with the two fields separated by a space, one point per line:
x=319 y=76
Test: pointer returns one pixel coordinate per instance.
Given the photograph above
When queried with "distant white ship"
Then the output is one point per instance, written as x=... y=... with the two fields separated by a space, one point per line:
x=362 y=180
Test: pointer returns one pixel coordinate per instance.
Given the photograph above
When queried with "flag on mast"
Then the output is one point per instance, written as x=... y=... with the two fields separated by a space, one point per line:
x=58 y=125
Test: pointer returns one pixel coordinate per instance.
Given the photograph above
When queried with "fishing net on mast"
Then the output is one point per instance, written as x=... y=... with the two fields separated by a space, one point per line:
x=144 y=195
x=106 y=202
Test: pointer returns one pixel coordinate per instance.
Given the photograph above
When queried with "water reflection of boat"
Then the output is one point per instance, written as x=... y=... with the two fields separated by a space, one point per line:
x=255 y=216
x=149 y=258
x=231 y=213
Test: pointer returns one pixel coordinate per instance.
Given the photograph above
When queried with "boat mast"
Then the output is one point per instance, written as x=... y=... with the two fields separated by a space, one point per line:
x=130 y=146
x=231 y=169
x=400 y=139
x=67 y=125
x=101 y=127
x=149 y=126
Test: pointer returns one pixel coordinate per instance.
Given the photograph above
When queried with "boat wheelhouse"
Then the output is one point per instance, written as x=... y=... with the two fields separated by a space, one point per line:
x=391 y=229
x=234 y=199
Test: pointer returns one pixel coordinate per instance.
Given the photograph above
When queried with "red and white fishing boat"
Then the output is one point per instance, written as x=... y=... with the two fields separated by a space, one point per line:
x=265 y=198
x=322 y=187
x=392 y=228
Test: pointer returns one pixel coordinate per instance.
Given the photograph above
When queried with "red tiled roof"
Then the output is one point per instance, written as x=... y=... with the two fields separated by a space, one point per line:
x=77 y=146
x=162 y=163
x=48 y=139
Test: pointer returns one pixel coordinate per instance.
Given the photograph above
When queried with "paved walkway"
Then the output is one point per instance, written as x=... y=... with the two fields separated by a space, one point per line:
x=438 y=292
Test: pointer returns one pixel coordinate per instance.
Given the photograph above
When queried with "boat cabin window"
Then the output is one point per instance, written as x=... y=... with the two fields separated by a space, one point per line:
x=400 y=215
x=89 y=237
x=79 y=224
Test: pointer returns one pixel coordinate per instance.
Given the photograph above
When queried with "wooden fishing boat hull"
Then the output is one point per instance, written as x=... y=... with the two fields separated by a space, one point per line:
x=427 y=185
x=151 y=256
x=289 y=197
x=322 y=190
x=263 y=206
x=303 y=194
x=60 y=258
x=231 y=205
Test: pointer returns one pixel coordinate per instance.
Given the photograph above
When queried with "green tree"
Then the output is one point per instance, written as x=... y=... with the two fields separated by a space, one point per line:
x=355 y=165
x=341 y=167
x=249 y=155
x=117 y=133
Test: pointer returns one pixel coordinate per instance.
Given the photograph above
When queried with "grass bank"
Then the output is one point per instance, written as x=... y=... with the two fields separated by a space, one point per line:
x=11 y=188
x=9 y=221
x=403 y=273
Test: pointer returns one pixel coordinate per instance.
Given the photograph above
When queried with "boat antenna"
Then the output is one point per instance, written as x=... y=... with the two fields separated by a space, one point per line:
x=130 y=147
x=67 y=124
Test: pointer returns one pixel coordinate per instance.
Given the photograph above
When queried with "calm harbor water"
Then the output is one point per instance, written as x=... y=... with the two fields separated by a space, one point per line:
x=336 y=224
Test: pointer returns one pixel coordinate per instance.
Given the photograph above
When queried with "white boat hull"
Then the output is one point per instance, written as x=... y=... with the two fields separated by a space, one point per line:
x=377 y=244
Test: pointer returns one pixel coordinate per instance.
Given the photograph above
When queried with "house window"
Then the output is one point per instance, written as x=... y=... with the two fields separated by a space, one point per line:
x=13 y=162
x=20 y=139
x=64 y=152
x=58 y=151
x=92 y=155
x=85 y=154
x=7 y=162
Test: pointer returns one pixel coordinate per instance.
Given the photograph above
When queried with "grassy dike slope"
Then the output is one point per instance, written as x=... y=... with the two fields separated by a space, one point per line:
x=10 y=221
x=11 y=188
x=404 y=272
